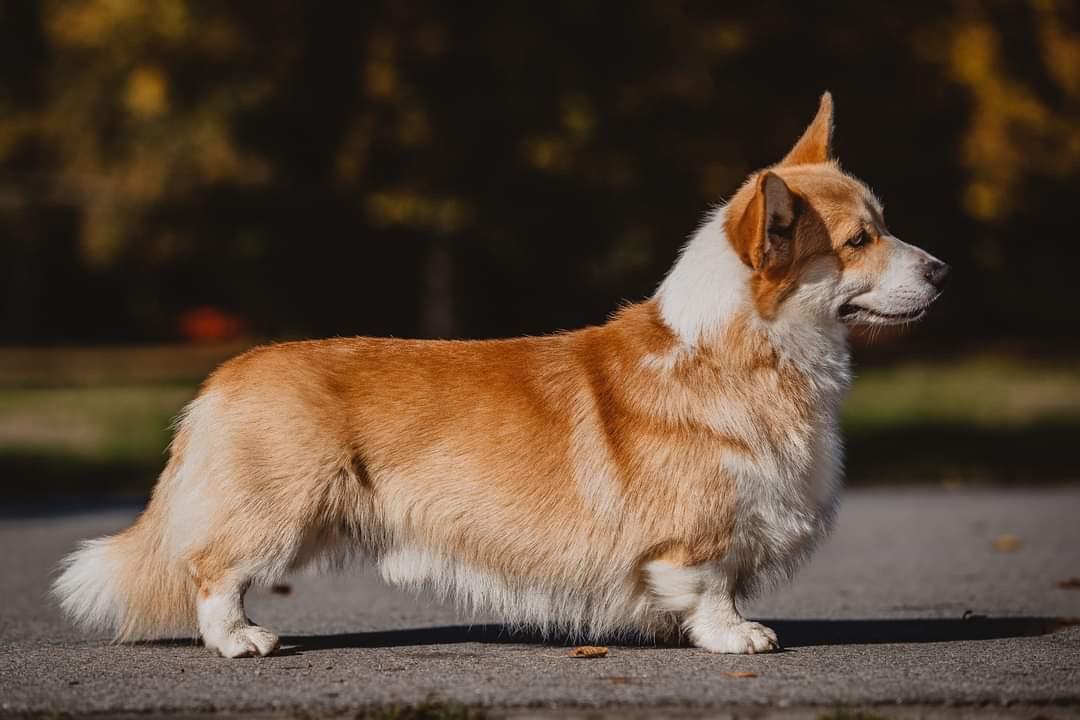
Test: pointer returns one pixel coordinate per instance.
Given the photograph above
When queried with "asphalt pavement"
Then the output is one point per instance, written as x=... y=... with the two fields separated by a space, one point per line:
x=923 y=602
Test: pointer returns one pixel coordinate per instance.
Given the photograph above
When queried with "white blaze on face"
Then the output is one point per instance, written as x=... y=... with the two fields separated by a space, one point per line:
x=899 y=290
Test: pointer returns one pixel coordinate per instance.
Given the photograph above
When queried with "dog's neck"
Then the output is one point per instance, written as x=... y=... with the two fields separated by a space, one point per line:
x=708 y=289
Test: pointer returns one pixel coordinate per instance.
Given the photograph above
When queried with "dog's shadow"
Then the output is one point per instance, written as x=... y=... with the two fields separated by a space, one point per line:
x=793 y=634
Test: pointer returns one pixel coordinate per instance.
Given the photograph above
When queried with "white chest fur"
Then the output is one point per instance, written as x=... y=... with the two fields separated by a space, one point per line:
x=786 y=489
x=783 y=506
x=786 y=495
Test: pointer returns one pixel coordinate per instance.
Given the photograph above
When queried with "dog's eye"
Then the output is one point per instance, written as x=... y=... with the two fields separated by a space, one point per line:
x=859 y=240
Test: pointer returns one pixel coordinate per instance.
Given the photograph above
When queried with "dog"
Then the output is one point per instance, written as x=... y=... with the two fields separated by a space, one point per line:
x=638 y=476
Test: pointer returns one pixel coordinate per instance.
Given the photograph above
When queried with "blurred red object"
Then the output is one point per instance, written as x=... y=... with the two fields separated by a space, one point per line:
x=210 y=324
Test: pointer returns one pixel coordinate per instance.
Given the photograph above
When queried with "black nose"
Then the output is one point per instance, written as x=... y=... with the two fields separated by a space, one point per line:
x=936 y=273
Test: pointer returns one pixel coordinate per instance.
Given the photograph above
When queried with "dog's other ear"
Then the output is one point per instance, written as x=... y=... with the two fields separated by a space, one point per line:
x=815 y=145
x=763 y=234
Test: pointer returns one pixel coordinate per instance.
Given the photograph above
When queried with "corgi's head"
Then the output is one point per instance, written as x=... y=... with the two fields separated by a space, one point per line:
x=814 y=241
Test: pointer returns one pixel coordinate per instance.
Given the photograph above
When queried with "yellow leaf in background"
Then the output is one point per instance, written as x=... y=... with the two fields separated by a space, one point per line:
x=1014 y=132
x=724 y=37
x=451 y=215
x=417 y=210
x=550 y=154
x=981 y=200
x=1060 y=46
x=147 y=92
x=381 y=79
x=577 y=116
x=170 y=18
x=85 y=24
x=974 y=50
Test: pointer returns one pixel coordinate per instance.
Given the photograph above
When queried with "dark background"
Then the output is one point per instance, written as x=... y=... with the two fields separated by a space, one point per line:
x=181 y=178
x=479 y=169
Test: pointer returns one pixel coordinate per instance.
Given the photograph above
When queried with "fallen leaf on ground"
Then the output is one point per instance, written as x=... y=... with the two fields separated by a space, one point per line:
x=739 y=674
x=1007 y=543
x=1072 y=583
x=588 y=651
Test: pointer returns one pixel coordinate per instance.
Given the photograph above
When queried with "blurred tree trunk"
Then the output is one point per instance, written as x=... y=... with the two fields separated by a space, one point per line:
x=438 y=319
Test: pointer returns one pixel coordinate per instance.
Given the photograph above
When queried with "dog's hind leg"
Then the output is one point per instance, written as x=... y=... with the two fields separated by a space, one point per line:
x=260 y=537
x=224 y=625
x=223 y=570
x=258 y=543
x=265 y=485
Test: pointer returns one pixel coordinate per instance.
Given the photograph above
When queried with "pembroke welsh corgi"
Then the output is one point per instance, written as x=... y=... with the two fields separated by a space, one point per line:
x=637 y=476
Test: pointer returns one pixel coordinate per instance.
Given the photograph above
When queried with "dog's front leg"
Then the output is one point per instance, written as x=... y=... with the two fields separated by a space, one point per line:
x=705 y=595
x=716 y=625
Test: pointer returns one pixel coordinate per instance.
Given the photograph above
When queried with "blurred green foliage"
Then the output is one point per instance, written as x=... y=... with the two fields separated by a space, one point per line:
x=968 y=420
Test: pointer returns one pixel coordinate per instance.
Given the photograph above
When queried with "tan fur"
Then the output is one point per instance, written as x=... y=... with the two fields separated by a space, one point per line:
x=518 y=421
x=520 y=418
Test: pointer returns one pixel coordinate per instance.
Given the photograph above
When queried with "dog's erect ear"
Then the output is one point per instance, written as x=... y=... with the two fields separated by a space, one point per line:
x=815 y=145
x=763 y=234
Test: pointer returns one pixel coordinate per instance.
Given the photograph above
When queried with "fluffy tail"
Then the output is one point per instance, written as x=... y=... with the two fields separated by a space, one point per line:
x=129 y=584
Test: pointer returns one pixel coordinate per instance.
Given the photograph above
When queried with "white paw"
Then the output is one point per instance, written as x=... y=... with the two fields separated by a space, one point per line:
x=745 y=638
x=245 y=641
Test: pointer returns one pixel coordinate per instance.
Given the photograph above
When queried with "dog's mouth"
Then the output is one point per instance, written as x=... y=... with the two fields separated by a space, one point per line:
x=853 y=314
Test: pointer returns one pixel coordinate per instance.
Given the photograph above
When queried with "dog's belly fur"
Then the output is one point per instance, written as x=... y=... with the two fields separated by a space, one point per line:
x=536 y=479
